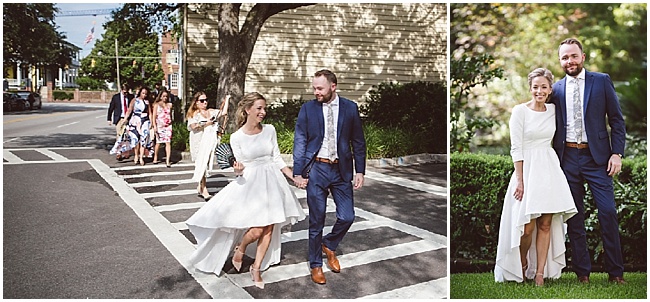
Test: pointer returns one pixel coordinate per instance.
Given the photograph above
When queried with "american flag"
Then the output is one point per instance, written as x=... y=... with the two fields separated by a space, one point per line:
x=90 y=35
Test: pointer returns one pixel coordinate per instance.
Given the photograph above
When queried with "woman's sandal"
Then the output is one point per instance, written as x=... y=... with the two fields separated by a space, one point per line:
x=259 y=284
x=523 y=271
x=537 y=283
x=237 y=264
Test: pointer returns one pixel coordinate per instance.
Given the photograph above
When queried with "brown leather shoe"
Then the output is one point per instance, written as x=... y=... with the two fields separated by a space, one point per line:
x=618 y=280
x=583 y=279
x=332 y=261
x=317 y=275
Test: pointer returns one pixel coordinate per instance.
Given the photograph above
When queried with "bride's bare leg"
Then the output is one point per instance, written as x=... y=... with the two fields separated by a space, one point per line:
x=524 y=244
x=262 y=247
x=543 y=242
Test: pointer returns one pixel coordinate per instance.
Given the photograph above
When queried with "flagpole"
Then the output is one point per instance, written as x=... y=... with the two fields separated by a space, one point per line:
x=117 y=61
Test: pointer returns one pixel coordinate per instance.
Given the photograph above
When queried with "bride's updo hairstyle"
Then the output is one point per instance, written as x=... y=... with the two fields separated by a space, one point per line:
x=541 y=72
x=246 y=103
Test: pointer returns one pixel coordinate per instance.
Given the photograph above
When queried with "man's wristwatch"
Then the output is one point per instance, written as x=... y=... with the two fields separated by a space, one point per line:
x=619 y=155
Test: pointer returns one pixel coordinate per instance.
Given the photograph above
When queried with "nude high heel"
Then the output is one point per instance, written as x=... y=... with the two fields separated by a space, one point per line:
x=538 y=283
x=259 y=284
x=237 y=264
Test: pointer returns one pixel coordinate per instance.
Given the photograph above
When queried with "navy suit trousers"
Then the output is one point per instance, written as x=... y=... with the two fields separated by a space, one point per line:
x=323 y=179
x=579 y=166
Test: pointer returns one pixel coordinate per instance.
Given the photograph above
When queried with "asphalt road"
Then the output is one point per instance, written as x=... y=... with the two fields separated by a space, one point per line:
x=79 y=224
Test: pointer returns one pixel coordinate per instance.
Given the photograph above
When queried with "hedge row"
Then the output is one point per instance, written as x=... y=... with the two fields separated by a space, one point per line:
x=478 y=184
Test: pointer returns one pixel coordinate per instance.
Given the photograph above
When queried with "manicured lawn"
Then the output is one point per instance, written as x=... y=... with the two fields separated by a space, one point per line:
x=474 y=286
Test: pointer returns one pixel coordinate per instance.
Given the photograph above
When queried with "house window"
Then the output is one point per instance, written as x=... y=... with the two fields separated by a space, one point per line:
x=172 y=56
x=173 y=81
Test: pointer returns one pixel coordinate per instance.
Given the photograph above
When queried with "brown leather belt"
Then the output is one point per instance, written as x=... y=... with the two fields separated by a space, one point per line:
x=327 y=161
x=577 y=146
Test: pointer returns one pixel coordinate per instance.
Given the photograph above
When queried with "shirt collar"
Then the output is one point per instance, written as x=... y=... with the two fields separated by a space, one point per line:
x=581 y=75
x=335 y=102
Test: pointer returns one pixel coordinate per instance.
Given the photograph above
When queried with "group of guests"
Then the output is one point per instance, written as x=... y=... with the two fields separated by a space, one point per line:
x=247 y=215
x=142 y=123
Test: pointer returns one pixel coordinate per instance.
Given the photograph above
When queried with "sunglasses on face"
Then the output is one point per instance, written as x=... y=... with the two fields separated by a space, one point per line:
x=202 y=100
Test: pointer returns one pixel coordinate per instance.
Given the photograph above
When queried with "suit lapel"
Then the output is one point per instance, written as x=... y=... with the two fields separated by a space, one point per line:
x=589 y=82
x=562 y=93
x=339 y=124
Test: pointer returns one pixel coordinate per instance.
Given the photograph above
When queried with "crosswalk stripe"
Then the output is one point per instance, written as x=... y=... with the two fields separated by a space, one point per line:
x=434 y=289
x=292 y=271
x=179 y=206
x=51 y=154
x=177 y=182
x=420 y=186
x=168 y=193
x=11 y=157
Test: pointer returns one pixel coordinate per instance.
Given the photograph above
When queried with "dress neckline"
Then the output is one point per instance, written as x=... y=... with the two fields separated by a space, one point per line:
x=533 y=110
x=254 y=134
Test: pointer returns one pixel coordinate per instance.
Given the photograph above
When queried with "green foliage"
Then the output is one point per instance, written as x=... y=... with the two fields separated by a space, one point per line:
x=478 y=184
x=524 y=36
x=416 y=108
x=467 y=73
x=88 y=83
x=180 y=136
x=206 y=80
x=482 y=286
x=135 y=39
x=29 y=35
x=62 y=95
x=284 y=112
x=634 y=105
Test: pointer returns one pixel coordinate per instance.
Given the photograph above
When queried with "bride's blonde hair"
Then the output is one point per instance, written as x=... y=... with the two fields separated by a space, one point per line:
x=244 y=104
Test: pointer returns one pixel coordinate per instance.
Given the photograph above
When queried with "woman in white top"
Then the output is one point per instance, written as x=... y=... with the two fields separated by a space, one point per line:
x=538 y=200
x=249 y=213
x=203 y=126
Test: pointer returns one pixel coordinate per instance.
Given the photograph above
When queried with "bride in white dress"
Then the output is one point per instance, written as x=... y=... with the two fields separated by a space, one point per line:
x=538 y=200
x=247 y=215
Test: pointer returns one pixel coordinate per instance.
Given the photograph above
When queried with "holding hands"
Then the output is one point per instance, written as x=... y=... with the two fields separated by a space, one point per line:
x=300 y=182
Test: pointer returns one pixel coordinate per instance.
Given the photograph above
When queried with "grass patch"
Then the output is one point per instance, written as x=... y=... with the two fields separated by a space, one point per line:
x=474 y=286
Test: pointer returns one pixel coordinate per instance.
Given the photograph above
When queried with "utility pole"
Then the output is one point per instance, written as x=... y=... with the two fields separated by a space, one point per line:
x=117 y=62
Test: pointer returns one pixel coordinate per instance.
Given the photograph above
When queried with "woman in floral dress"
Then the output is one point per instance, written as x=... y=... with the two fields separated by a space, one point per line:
x=162 y=122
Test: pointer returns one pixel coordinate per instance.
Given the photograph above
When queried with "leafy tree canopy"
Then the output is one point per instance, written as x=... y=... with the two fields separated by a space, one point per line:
x=30 y=35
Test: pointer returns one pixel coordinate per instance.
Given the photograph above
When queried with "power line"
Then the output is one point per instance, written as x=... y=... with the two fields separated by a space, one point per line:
x=87 y=12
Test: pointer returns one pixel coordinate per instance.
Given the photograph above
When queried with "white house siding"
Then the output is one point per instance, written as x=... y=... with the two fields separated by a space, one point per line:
x=364 y=44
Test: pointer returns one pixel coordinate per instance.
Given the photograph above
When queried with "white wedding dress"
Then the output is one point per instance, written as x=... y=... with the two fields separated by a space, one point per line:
x=546 y=190
x=260 y=197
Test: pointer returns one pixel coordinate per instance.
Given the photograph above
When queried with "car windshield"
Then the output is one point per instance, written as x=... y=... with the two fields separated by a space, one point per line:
x=23 y=94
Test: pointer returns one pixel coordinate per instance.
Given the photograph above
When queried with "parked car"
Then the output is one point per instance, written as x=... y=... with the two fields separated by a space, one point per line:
x=12 y=102
x=33 y=98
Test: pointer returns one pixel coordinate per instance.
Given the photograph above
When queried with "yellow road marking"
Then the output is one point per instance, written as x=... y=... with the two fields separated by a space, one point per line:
x=33 y=117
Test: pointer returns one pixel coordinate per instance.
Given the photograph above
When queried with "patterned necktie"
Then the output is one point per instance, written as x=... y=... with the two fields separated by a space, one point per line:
x=331 y=140
x=577 y=111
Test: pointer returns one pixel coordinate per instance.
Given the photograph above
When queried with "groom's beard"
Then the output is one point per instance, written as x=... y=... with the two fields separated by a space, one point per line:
x=576 y=71
x=326 y=97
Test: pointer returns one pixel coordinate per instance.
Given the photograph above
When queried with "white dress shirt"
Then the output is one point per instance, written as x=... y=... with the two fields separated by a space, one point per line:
x=570 y=133
x=324 y=151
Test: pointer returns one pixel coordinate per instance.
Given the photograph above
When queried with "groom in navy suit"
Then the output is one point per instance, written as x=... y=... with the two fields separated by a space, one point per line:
x=328 y=143
x=585 y=101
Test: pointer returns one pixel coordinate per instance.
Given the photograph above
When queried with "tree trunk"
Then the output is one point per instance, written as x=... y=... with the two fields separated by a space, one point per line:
x=236 y=47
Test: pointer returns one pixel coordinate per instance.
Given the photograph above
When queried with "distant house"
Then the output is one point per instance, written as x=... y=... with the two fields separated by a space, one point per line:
x=67 y=77
x=363 y=43
x=30 y=77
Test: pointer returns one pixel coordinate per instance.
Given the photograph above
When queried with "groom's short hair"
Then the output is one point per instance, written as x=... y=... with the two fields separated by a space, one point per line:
x=571 y=41
x=330 y=76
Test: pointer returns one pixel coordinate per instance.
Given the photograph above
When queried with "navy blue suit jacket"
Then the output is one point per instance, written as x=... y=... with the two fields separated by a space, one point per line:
x=115 y=108
x=601 y=106
x=310 y=133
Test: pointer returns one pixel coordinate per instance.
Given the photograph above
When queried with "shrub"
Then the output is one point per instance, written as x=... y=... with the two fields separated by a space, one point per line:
x=478 y=184
x=284 y=112
x=418 y=107
x=62 y=95
x=87 y=83
x=180 y=136
x=206 y=80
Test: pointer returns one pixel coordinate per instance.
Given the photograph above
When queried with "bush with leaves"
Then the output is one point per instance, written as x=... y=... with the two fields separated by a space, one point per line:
x=418 y=108
x=88 y=83
x=62 y=95
x=478 y=184
x=206 y=80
